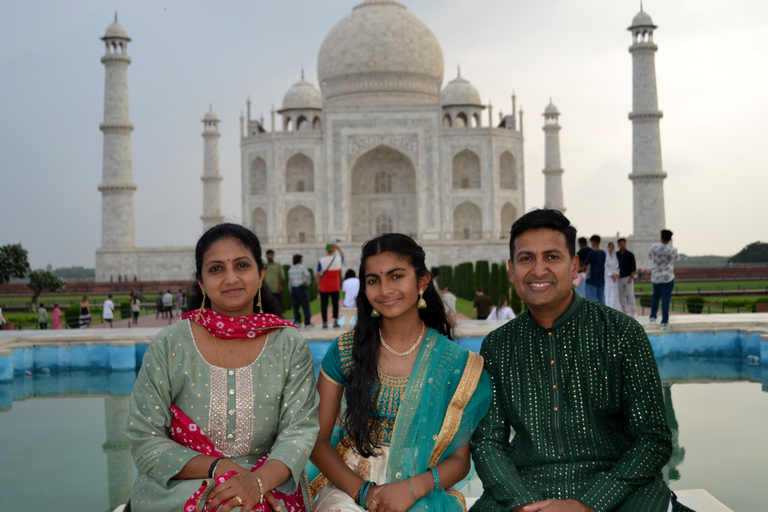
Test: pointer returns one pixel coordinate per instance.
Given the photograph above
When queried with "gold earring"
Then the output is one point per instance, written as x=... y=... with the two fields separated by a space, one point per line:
x=422 y=303
x=202 y=306
x=375 y=314
x=261 y=310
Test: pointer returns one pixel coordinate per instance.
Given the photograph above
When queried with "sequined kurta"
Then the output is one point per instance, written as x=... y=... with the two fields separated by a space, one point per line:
x=584 y=400
x=268 y=406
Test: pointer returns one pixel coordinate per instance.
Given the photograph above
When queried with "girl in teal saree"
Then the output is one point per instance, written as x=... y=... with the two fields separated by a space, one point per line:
x=413 y=395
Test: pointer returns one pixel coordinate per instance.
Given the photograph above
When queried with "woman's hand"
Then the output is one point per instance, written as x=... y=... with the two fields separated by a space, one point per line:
x=394 y=497
x=242 y=486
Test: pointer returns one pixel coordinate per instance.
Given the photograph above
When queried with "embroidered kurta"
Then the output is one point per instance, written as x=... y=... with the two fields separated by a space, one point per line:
x=268 y=406
x=584 y=400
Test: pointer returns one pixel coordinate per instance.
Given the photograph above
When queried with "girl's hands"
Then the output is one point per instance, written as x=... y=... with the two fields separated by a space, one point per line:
x=394 y=497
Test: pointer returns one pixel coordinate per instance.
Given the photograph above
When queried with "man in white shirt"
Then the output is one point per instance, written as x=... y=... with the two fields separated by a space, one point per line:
x=108 y=313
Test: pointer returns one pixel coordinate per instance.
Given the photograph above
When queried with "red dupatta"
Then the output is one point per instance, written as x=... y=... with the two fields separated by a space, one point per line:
x=230 y=327
x=186 y=432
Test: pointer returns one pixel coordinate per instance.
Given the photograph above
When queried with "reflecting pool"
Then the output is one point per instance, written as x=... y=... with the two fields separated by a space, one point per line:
x=64 y=434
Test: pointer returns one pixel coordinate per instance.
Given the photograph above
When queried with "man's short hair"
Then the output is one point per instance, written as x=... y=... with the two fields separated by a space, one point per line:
x=297 y=259
x=621 y=240
x=595 y=238
x=479 y=289
x=537 y=219
x=666 y=235
x=582 y=241
x=269 y=251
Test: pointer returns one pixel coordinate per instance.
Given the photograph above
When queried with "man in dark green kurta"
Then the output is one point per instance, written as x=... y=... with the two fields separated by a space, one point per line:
x=578 y=384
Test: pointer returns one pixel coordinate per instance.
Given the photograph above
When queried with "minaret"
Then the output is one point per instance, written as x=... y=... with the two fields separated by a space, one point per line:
x=647 y=175
x=116 y=257
x=553 y=173
x=211 y=176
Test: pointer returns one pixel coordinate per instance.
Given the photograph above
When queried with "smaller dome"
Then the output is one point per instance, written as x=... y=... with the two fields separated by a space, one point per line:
x=551 y=109
x=210 y=115
x=116 y=30
x=302 y=95
x=642 y=19
x=460 y=92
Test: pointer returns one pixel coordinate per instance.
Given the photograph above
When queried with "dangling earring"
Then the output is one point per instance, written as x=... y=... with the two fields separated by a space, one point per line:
x=202 y=306
x=422 y=303
x=375 y=314
x=258 y=303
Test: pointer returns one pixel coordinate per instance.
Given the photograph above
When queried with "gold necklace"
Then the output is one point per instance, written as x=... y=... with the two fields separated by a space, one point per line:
x=403 y=354
x=247 y=348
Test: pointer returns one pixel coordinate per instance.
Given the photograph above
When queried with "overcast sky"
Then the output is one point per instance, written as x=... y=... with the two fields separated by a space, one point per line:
x=711 y=67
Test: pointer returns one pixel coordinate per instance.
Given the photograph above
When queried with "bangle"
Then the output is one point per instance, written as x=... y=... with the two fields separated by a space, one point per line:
x=411 y=488
x=214 y=465
x=261 y=490
x=364 y=493
x=435 y=477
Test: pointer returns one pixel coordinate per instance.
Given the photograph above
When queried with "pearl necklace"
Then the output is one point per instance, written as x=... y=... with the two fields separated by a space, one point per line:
x=415 y=345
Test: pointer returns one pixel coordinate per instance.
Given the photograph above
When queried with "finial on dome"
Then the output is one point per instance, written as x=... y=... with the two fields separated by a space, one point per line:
x=210 y=106
x=116 y=16
x=458 y=66
x=302 y=72
x=641 y=6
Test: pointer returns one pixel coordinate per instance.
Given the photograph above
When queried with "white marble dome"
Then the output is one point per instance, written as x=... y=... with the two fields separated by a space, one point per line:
x=550 y=109
x=210 y=115
x=116 y=30
x=642 y=19
x=380 y=49
x=460 y=92
x=302 y=95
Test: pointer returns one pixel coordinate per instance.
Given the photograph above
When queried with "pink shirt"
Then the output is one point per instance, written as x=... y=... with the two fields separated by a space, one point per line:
x=56 y=318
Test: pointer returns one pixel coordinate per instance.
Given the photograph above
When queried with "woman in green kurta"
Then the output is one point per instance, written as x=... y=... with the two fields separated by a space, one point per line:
x=244 y=380
x=411 y=405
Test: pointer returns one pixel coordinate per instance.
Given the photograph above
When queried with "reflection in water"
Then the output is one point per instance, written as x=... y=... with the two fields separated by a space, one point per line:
x=670 y=471
x=119 y=460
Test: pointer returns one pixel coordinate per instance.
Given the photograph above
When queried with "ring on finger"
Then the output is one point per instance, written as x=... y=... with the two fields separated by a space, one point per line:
x=374 y=501
x=239 y=501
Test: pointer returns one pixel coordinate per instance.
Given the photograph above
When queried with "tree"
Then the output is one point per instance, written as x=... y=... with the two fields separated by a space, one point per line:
x=756 y=252
x=40 y=280
x=13 y=262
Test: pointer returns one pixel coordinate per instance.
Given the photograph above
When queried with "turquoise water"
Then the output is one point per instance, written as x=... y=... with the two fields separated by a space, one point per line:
x=62 y=446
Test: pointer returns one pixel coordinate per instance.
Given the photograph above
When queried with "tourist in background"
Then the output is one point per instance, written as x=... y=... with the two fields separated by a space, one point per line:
x=135 y=308
x=85 y=313
x=482 y=304
x=299 y=280
x=501 y=311
x=180 y=301
x=449 y=302
x=42 y=316
x=108 y=312
x=584 y=250
x=594 y=265
x=159 y=303
x=329 y=282
x=275 y=274
x=209 y=420
x=168 y=303
x=2 y=318
x=663 y=257
x=627 y=269
x=611 y=278
x=400 y=361
x=350 y=287
x=56 y=317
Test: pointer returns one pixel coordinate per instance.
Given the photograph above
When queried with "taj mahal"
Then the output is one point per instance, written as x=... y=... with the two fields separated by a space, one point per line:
x=382 y=145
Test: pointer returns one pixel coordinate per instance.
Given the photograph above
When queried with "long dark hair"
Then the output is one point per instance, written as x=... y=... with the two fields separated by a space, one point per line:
x=248 y=238
x=363 y=383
